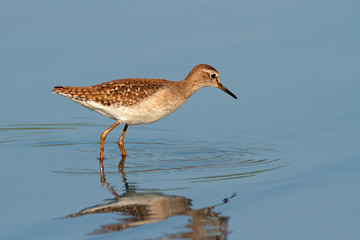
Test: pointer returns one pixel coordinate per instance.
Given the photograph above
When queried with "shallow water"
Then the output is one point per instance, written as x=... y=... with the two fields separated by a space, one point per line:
x=281 y=162
x=156 y=183
x=173 y=188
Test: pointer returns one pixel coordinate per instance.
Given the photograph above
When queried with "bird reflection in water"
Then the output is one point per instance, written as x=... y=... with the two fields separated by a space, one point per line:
x=138 y=209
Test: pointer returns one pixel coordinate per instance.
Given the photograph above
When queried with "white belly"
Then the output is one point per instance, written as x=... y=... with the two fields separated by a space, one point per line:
x=149 y=110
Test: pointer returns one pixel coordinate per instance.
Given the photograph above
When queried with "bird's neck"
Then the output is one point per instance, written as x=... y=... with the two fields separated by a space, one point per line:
x=189 y=86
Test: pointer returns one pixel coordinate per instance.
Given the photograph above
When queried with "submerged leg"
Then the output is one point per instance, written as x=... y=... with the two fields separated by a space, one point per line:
x=122 y=164
x=121 y=141
x=102 y=141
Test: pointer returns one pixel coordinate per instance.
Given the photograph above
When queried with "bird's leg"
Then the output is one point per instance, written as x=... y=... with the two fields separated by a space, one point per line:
x=102 y=141
x=121 y=141
x=122 y=163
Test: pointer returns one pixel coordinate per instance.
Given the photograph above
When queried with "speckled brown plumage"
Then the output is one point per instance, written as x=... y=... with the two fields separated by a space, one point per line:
x=123 y=92
x=135 y=101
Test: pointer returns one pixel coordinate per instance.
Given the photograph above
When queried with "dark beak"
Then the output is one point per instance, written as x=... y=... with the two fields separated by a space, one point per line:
x=222 y=87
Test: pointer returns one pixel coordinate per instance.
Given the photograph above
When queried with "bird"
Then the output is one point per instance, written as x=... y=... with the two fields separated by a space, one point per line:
x=135 y=101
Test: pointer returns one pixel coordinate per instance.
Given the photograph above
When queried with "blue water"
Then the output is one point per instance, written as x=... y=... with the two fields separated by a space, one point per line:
x=280 y=162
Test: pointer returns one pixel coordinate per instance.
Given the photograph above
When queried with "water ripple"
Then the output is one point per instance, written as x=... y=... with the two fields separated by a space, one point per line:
x=221 y=161
x=214 y=160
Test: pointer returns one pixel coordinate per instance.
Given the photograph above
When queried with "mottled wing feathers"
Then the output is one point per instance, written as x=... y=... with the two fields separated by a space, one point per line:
x=123 y=92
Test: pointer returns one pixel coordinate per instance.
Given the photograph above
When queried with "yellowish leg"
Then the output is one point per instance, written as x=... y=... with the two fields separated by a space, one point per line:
x=121 y=141
x=102 y=141
x=121 y=171
x=122 y=163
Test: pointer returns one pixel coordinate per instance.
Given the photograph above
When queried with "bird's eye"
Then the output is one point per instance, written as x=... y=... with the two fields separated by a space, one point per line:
x=213 y=75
